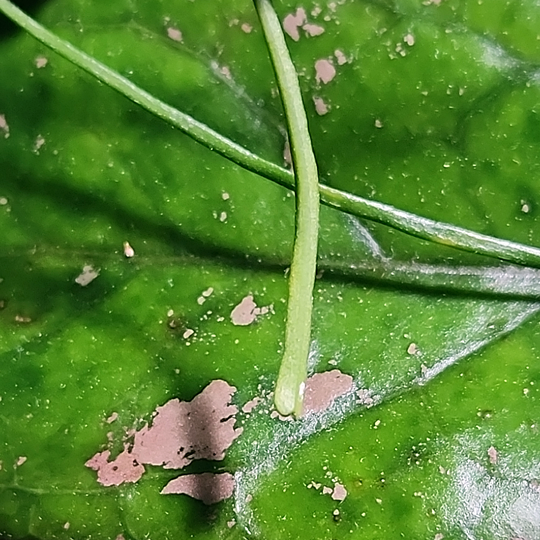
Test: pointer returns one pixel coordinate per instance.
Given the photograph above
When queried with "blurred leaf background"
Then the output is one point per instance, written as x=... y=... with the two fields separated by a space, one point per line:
x=434 y=108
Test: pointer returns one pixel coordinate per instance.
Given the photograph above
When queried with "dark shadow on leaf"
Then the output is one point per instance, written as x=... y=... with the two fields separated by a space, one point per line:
x=8 y=29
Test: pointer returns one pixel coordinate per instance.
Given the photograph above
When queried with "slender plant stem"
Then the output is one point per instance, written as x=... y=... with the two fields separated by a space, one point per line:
x=289 y=392
x=414 y=225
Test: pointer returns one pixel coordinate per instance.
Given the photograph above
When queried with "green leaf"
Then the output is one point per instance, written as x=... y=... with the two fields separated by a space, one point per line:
x=434 y=111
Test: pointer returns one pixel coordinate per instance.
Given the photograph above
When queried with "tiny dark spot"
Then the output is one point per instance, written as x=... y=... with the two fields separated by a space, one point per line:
x=115 y=468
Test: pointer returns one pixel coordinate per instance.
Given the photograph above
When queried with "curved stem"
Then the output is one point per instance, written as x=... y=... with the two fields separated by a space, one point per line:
x=289 y=391
x=414 y=225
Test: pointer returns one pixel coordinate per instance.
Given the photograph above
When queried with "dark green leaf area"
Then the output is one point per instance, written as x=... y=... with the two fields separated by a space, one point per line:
x=433 y=107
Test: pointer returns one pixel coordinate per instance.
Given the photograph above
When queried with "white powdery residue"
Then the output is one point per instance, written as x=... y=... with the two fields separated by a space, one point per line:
x=246 y=312
x=112 y=418
x=209 y=488
x=38 y=143
x=208 y=292
x=320 y=106
x=409 y=39
x=226 y=72
x=88 y=274
x=180 y=432
x=340 y=57
x=4 y=125
x=251 y=404
x=188 y=333
x=322 y=389
x=292 y=22
x=174 y=34
x=287 y=156
x=339 y=492
x=41 y=61
x=128 y=250
x=493 y=455
x=313 y=30
x=324 y=71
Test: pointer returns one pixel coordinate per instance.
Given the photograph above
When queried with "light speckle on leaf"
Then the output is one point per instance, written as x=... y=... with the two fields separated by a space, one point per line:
x=208 y=292
x=324 y=71
x=38 y=143
x=41 y=61
x=287 y=156
x=21 y=460
x=87 y=275
x=292 y=22
x=3 y=201
x=378 y=123
x=493 y=455
x=251 y=404
x=112 y=418
x=340 y=57
x=188 y=333
x=365 y=397
x=409 y=40
x=206 y=487
x=413 y=349
x=327 y=490
x=226 y=72
x=128 y=250
x=247 y=28
x=174 y=34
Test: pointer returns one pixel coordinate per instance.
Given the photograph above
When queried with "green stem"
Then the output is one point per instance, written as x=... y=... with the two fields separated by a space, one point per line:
x=289 y=391
x=420 y=227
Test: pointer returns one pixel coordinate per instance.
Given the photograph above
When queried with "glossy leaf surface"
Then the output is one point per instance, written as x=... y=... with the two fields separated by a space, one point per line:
x=433 y=107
